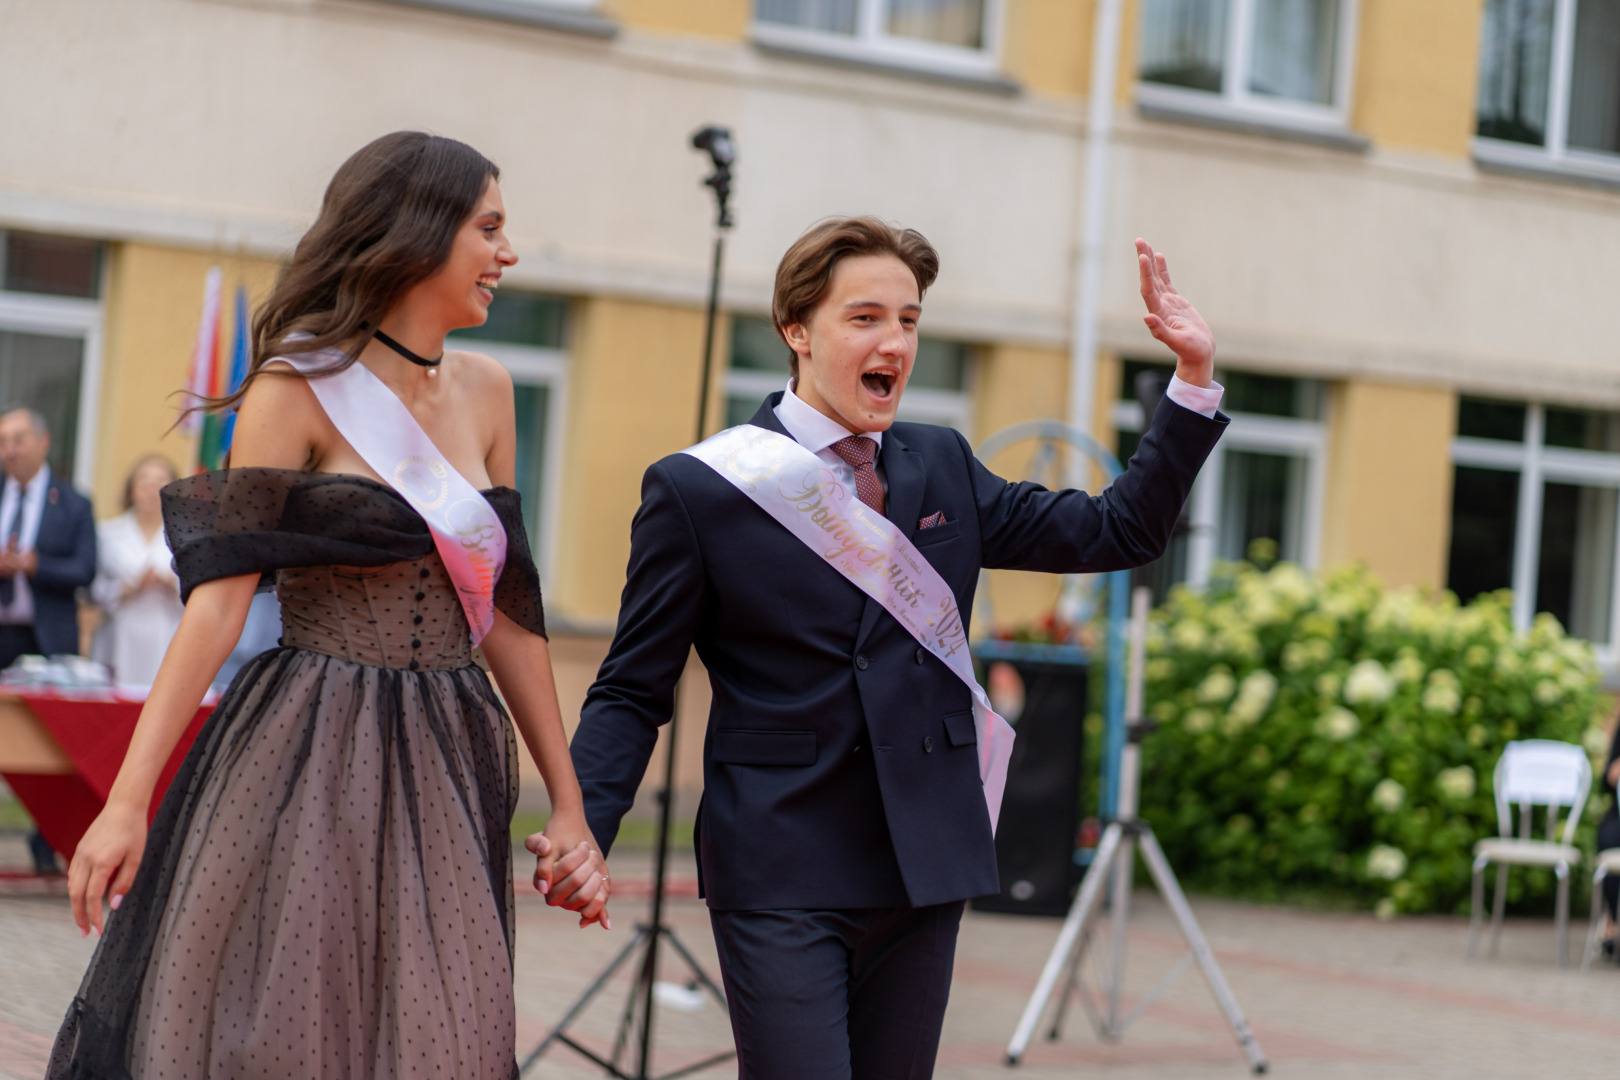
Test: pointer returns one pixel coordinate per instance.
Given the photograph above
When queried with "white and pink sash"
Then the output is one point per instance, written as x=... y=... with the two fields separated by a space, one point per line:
x=796 y=488
x=467 y=531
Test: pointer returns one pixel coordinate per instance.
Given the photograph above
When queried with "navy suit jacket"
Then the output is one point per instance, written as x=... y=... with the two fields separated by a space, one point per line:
x=839 y=767
x=66 y=546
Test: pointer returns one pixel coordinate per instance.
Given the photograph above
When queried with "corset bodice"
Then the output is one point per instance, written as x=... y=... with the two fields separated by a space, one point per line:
x=403 y=615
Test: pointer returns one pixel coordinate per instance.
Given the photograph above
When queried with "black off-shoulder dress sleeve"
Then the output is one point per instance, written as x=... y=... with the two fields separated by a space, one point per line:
x=258 y=521
x=517 y=593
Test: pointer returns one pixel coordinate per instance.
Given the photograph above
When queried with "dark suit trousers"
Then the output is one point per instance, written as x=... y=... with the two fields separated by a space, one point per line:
x=837 y=995
x=14 y=642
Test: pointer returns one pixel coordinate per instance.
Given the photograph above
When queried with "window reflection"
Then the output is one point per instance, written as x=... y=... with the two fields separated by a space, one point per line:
x=1484 y=508
x=1294 y=46
x=1515 y=68
x=1575 y=581
x=1184 y=43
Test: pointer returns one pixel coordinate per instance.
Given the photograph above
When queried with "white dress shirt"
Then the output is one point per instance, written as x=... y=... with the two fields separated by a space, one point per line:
x=21 y=610
x=817 y=432
x=1203 y=400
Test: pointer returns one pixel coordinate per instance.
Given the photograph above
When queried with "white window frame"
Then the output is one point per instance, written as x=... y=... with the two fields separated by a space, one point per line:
x=871 y=41
x=918 y=405
x=531 y=365
x=1255 y=433
x=63 y=316
x=1555 y=155
x=1236 y=101
x=1538 y=465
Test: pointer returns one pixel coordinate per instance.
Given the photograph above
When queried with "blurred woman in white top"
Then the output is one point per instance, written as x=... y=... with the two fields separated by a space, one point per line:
x=135 y=584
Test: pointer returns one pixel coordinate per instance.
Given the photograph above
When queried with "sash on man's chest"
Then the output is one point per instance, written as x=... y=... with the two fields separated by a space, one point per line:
x=802 y=494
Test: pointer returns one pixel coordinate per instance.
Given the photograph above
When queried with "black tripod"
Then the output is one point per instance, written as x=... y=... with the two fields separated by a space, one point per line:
x=637 y=1016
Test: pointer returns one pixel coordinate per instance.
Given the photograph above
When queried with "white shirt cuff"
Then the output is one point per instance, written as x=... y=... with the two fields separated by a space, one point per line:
x=1200 y=399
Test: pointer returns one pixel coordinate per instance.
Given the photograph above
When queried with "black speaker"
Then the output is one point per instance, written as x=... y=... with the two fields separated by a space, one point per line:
x=1040 y=812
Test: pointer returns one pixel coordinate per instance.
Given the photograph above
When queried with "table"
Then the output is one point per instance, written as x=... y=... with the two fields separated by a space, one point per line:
x=60 y=752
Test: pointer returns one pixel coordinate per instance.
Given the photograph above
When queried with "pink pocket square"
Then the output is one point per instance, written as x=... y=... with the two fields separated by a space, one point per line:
x=936 y=518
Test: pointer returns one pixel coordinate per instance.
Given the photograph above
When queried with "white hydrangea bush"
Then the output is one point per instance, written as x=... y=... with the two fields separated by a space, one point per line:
x=1331 y=735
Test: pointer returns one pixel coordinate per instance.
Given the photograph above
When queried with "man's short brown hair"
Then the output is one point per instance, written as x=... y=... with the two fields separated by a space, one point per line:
x=805 y=272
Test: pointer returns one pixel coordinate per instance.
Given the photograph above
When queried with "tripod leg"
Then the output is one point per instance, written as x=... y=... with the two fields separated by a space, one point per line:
x=1068 y=937
x=1170 y=889
x=1120 y=902
x=627 y=1017
x=697 y=968
x=583 y=1000
x=1071 y=990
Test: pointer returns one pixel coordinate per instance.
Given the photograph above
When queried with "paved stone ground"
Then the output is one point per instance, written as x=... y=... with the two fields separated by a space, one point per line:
x=1330 y=996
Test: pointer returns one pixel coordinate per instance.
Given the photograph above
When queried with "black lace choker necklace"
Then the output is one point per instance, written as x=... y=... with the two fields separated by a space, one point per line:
x=420 y=361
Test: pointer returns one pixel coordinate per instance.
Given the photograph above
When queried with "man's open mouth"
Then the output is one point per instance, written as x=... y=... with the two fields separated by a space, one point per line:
x=880 y=383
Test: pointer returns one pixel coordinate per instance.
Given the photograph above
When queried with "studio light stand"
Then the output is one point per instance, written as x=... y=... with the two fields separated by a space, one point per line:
x=637 y=1017
x=1116 y=856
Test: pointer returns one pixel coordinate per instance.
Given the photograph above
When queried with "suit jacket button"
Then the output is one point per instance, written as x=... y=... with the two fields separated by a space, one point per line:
x=919 y=656
x=928 y=744
x=860 y=661
x=857 y=748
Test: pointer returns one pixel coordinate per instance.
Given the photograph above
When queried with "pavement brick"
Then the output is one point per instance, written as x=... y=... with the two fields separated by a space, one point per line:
x=1330 y=996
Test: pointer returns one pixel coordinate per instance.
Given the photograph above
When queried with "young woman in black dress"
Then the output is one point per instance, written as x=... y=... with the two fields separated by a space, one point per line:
x=326 y=890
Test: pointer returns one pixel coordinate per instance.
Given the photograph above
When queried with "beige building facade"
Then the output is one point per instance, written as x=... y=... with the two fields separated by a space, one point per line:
x=1397 y=216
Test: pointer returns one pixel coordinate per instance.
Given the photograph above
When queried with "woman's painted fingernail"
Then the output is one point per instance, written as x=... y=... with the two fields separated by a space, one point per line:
x=607 y=923
x=116 y=900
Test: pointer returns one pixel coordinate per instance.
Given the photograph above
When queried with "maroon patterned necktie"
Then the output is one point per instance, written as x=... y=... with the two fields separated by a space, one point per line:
x=860 y=452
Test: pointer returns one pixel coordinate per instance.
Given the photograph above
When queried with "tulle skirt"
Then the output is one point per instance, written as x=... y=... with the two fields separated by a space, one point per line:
x=326 y=890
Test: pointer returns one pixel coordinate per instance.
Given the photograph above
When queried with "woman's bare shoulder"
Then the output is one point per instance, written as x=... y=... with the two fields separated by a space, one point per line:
x=485 y=379
x=279 y=421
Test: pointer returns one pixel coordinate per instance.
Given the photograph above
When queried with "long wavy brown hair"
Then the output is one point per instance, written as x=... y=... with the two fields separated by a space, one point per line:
x=387 y=222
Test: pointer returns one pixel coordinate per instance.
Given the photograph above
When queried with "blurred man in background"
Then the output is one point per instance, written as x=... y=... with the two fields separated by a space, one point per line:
x=47 y=554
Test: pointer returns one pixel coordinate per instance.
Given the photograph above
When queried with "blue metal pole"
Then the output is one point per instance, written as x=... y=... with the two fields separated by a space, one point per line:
x=1119 y=619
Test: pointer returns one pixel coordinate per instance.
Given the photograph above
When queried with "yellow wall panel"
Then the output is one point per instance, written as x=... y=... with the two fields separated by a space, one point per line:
x=1129 y=36
x=632 y=399
x=1388 y=499
x=1417 y=73
x=154 y=302
x=1047 y=45
x=726 y=19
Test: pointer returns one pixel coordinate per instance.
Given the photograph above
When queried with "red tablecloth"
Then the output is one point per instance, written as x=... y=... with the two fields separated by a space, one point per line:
x=95 y=735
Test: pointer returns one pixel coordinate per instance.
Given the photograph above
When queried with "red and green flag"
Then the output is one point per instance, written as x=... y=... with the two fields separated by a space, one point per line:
x=214 y=375
x=204 y=363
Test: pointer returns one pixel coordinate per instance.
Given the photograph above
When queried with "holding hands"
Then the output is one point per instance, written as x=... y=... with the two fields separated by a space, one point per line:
x=571 y=871
x=1173 y=320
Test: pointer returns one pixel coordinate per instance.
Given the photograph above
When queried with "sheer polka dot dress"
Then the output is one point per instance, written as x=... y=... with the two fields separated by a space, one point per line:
x=327 y=888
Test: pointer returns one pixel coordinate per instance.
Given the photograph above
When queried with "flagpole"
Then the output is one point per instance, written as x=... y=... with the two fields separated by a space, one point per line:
x=204 y=361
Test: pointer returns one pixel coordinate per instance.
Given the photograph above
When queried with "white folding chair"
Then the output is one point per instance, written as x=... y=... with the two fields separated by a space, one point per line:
x=1531 y=773
x=1608 y=862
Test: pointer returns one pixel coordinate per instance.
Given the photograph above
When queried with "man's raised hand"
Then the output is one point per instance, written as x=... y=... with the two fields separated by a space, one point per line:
x=1173 y=320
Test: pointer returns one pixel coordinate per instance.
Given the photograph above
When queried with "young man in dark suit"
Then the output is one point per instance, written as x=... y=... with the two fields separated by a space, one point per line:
x=843 y=822
x=47 y=554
